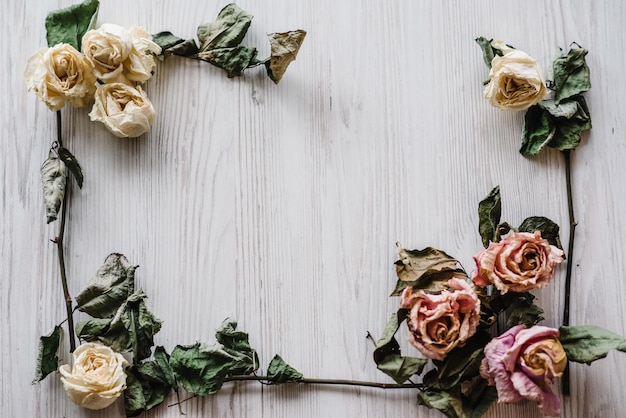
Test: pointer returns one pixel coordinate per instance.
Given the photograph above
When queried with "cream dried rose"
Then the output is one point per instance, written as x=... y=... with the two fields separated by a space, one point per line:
x=97 y=377
x=520 y=262
x=60 y=74
x=515 y=80
x=120 y=55
x=124 y=110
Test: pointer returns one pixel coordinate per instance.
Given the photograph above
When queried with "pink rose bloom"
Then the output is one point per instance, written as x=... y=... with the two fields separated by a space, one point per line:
x=522 y=363
x=520 y=262
x=440 y=322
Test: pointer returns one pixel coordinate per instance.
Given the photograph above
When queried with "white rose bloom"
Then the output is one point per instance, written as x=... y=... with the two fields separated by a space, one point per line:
x=97 y=377
x=60 y=74
x=124 y=110
x=516 y=81
x=120 y=55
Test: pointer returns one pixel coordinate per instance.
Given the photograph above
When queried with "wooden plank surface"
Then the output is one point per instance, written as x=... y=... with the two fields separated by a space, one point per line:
x=281 y=205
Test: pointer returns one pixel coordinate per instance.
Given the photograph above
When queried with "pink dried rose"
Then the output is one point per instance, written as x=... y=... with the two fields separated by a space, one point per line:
x=440 y=322
x=520 y=262
x=522 y=363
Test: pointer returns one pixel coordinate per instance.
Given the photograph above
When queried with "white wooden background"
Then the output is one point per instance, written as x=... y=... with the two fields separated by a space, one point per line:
x=281 y=205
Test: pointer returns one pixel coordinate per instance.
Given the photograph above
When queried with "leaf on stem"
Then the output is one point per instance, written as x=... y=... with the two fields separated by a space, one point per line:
x=173 y=45
x=279 y=371
x=53 y=179
x=538 y=130
x=47 y=358
x=72 y=164
x=549 y=229
x=148 y=383
x=69 y=25
x=428 y=269
x=488 y=50
x=588 y=343
x=232 y=60
x=228 y=30
x=489 y=212
x=284 y=49
x=571 y=74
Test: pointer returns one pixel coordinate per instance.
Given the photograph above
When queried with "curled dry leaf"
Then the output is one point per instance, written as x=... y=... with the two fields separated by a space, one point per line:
x=285 y=47
x=53 y=178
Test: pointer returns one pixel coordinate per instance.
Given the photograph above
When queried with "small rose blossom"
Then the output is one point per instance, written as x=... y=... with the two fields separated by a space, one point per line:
x=123 y=109
x=97 y=377
x=440 y=322
x=60 y=74
x=522 y=364
x=515 y=80
x=519 y=262
x=121 y=55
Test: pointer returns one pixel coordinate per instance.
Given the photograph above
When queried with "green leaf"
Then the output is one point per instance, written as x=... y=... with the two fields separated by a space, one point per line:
x=284 y=49
x=166 y=40
x=571 y=74
x=109 y=289
x=173 y=45
x=488 y=50
x=47 y=357
x=489 y=211
x=69 y=25
x=538 y=130
x=527 y=314
x=479 y=398
x=428 y=269
x=570 y=126
x=227 y=31
x=446 y=402
x=158 y=370
x=53 y=179
x=72 y=164
x=134 y=397
x=232 y=60
x=148 y=384
x=549 y=229
x=279 y=371
x=588 y=343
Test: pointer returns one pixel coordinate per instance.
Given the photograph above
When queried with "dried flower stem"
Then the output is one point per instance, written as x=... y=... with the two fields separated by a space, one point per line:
x=59 y=243
x=570 y=251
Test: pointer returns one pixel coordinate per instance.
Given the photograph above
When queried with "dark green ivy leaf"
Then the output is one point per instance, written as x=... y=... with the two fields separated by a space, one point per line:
x=69 y=25
x=428 y=269
x=489 y=211
x=53 y=180
x=47 y=358
x=571 y=74
x=72 y=164
x=109 y=289
x=284 y=49
x=549 y=229
x=588 y=343
x=232 y=60
x=279 y=371
x=227 y=31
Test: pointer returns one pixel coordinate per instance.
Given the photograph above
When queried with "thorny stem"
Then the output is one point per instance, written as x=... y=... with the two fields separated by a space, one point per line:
x=570 y=250
x=59 y=243
x=335 y=382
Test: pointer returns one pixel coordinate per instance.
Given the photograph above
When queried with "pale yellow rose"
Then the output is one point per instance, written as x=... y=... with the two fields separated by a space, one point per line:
x=125 y=110
x=60 y=74
x=120 y=55
x=515 y=80
x=97 y=377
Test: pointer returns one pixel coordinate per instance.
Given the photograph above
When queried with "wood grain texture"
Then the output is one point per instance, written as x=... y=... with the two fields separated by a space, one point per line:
x=281 y=205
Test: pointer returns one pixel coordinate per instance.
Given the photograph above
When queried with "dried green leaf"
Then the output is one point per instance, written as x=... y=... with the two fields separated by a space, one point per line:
x=232 y=60
x=538 y=130
x=549 y=229
x=72 y=164
x=421 y=268
x=173 y=45
x=488 y=50
x=448 y=403
x=109 y=288
x=284 y=49
x=489 y=211
x=570 y=127
x=279 y=371
x=571 y=74
x=53 y=179
x=227 y=31
x=148 y=383
x=69 y=25
x=526 y=314
x=47 y=357
x=588 y=343
x=479 y=399
x=166 y=40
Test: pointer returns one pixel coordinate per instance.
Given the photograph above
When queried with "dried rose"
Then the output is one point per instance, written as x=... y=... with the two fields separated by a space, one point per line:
x=520 y=262
x=124 y=110
x=121 y=55
x=522 y=363
x=97 y=377
x=60 y=74
x=440 y=322
x=515 y=80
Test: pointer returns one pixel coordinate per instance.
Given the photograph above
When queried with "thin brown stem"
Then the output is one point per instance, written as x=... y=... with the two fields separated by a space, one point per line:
x=59 y=243
x=570 y=252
